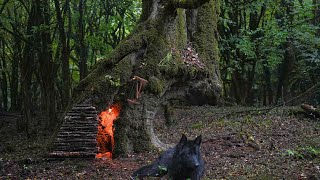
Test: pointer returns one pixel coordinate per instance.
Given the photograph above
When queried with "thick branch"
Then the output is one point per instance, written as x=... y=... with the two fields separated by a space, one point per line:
x=188 y=4
x=127 y=46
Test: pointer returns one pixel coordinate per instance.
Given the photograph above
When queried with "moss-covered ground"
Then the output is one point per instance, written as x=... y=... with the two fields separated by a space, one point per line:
x=237 y=144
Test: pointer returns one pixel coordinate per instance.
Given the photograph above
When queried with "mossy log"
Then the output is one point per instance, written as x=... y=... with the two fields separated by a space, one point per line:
x=310 y=110
x=153 y=51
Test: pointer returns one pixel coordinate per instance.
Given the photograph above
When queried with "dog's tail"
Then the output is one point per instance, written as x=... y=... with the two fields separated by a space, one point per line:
x=151 y=170
x=157 y=169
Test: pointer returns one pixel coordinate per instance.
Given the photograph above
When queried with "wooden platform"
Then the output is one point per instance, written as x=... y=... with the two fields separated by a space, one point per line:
x=77 y=135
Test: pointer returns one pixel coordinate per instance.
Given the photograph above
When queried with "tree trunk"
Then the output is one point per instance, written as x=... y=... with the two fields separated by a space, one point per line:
x=38 y=50
x=82 y=49
x=26 y=69
x=65 y=53
x=316 y=12
x=286 y=69
x=47 y=67
x=289 y=60
x=154 y=51
x=268 y=97
x=4 y=79
x=14 y=83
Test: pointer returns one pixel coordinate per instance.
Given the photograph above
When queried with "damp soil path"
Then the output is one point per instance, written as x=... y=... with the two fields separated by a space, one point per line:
x=272 y=144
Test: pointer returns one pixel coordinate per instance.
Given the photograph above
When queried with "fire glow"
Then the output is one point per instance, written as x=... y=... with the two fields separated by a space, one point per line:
x=105 y=138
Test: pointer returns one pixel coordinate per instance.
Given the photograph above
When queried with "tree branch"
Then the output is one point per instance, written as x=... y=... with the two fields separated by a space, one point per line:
x=3 y=6
x=2 y=27
x=188 y=4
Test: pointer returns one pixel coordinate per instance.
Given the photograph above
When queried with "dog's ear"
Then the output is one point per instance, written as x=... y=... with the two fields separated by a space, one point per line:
x=183 y=140
x=198 y=140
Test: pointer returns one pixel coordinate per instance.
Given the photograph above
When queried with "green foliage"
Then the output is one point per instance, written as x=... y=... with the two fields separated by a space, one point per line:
x=109 y=23
x=304 y=153
x=245 y=44
x=163 y=168
x=167 y=60
x=197 y=125
x=249 y=46
x=113 y=81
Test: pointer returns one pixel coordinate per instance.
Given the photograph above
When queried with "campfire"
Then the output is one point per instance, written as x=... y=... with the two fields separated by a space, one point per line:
x=105 y=138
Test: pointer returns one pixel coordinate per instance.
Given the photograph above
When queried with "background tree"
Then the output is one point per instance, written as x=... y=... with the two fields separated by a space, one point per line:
x=64 y=50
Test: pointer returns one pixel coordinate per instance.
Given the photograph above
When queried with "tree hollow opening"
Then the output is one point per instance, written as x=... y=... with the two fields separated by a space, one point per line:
x=105 y=133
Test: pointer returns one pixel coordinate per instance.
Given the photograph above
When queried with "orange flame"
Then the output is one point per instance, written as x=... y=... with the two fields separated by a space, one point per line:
x=105 y=139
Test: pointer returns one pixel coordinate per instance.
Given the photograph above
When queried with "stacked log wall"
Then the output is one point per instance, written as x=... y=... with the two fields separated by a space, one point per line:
x=77 y=135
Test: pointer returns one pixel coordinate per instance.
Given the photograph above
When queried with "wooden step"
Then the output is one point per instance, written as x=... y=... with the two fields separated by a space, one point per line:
x=72 y=154
x=67 y=133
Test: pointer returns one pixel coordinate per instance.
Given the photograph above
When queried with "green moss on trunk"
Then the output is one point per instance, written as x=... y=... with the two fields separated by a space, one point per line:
x=205 y=38
x=181 y=29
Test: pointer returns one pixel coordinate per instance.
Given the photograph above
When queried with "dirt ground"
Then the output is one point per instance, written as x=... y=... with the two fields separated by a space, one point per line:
x=238 y=143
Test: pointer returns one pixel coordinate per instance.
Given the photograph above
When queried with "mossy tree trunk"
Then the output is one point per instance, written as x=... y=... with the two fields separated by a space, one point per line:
x=154 y=52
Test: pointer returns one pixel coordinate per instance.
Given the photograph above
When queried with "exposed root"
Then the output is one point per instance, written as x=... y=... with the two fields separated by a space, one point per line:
x=155 y=141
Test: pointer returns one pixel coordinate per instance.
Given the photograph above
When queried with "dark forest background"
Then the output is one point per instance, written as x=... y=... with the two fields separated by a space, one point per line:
x=269 y=51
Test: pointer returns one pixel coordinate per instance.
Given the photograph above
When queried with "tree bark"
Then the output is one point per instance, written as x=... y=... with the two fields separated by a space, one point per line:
x=288 y=63
x=65 y=53
x=268 y=97
x=316 y=12
x=4 y=79
x=154 y=51
x=26 y=69
x=82 y=49
x=49 y=68
x=17 y=57
x=38 y=51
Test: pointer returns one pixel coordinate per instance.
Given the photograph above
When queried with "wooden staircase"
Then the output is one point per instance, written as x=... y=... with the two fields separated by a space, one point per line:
x=77 y=135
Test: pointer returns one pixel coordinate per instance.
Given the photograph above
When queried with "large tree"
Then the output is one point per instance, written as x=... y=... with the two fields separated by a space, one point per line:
x=174 y=47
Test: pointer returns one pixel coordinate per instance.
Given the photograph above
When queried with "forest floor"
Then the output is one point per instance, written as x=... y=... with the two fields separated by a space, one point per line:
x=238 y=143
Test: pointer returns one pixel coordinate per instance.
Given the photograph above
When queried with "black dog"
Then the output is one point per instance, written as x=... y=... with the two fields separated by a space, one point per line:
x=181 y=162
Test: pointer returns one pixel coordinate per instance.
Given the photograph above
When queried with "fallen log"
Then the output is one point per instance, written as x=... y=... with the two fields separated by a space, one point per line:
x=310 y=110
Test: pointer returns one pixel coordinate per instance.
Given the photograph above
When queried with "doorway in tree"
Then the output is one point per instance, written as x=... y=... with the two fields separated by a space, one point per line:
x=105 y=134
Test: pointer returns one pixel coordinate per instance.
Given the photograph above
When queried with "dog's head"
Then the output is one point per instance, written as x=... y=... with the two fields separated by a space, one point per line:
x=188 y=152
